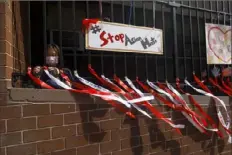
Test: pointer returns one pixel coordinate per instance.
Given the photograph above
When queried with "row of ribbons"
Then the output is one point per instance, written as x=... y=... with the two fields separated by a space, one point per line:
x=124 y=96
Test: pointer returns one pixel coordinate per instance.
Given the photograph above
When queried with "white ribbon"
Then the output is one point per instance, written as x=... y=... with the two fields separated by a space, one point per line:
x=139 y=99
x=220 y=117
x=109 y=97
x=175 y=102
x=180 y=96
x=130 y=83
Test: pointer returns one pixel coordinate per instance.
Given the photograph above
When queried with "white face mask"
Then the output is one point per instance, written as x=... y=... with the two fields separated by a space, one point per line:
x=52 y=60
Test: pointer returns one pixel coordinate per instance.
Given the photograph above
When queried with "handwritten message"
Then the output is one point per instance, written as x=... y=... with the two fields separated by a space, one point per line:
x=116 y=37
x=218 y=44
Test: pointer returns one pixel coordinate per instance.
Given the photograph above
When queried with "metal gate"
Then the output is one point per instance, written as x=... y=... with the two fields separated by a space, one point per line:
x=182 y=22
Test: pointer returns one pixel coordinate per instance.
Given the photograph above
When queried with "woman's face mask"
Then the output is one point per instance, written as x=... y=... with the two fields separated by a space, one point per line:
x=52 y=60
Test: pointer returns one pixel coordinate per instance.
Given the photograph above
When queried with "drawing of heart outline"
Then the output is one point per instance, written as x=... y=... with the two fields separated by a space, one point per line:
x=210 y=43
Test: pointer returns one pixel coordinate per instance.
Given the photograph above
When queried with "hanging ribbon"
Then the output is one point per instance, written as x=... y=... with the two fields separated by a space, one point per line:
x=191 y=117
x=152 y=109
x=201 y=84
x=86 y=23
x=193 y=101
x=213 y=82
x=225 y=125
x=228 y=88
x=37 y=80
x=117 y=89
x=215 y=129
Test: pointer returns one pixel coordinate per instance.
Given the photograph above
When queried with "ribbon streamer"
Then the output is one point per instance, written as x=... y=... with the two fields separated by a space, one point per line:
x=226 y=126
x=192 y=100
x=192 y=119
x=150 y=105
x=117 y=89
x=195 y=104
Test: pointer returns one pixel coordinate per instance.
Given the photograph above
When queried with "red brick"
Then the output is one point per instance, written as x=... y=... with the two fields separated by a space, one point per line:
x=110 y=146
x=100 y=137
x=21 y=124
x=36 y=109
x=25 y=149
x=115 y=113
x=50 y=146
x=10 y=112
x=11 y=139
x=65 y=152
x=50 y=120
x=88 y=128
x=2 y=126
x=99 y=115
x=110 y=124
x=3 y=151
x=62 y=108
x=63 y=131
x=77 y=117
x=76 y=141
x=90 y=150
x=131 y=142
x=36 y=135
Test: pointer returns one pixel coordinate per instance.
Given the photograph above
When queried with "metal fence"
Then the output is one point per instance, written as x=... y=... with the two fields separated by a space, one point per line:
x=182 y=22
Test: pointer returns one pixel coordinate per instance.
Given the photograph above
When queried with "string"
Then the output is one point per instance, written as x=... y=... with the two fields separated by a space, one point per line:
x=130 y=12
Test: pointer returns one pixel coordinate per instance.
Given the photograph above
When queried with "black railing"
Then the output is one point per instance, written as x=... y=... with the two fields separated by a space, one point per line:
x=182 y=22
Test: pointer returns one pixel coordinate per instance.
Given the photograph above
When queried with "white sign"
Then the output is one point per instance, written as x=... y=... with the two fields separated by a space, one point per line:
x=106 y=36
x=218 y=44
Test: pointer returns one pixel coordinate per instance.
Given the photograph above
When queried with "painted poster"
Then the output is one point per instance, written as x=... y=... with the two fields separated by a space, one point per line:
x=106 y=36
x=218 y=44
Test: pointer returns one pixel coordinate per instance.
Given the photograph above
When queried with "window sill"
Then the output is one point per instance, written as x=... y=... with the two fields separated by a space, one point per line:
x=31 y=95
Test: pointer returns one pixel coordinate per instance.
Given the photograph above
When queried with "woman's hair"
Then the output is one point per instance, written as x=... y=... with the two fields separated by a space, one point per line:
x=55 y=48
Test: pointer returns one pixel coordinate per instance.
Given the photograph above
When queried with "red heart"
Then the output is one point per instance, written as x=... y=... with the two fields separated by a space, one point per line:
x=209 y=43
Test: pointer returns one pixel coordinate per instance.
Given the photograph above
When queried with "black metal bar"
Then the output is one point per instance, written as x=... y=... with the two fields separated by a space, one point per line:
x=74 y=33
x=136 y=55
x=60 y=33
x=199 y=38
x=112 y=20
x=123 y=20
x=144 y=24
x=183 y=40
x=153 y=12
x=87 y=16
x=45 y=29
x=29 y=33
x=204 y=15
x=191 y=36
x=175 y=43
x=102 y=54
x=164 y=43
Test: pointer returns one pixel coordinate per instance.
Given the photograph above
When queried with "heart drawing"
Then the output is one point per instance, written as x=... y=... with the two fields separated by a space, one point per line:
x=219 y=42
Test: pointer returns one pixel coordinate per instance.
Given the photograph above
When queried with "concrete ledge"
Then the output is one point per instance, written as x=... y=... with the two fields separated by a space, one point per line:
x=63 y=96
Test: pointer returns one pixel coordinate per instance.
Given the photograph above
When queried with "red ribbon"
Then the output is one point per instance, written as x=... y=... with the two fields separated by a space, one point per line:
x=37 y=80
x=117 y=89
x=86 y=23
x=193 y=101
x=219 y=87
x=201 y=84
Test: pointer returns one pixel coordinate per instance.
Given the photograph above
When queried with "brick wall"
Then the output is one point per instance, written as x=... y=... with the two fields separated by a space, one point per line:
x=13 y=39
x=72 y=124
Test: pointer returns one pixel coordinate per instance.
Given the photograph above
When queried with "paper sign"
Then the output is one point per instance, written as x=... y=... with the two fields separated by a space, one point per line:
x=218 y=44
x=106 y=36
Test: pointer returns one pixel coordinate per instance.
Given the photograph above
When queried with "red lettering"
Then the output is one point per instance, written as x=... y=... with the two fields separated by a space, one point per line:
x=121 y=36
x=110 y=37
x=105 y=41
